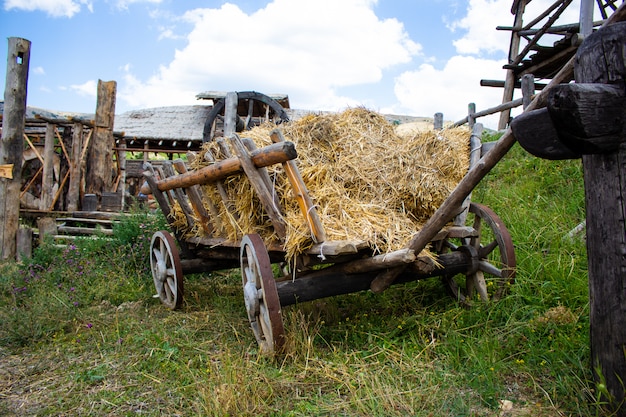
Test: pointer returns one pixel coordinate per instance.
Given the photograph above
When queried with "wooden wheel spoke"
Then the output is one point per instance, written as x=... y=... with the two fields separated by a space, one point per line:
x=483 y=251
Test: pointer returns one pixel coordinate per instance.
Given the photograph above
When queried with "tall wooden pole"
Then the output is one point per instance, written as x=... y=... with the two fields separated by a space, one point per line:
x=99 y=177
x=601 y=59
x=12 y=144
x=509 y=83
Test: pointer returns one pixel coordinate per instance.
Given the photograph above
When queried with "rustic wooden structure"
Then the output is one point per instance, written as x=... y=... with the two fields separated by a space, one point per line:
x=588 y=119
x=541 y=47
x=12 y=144
x=250 y=109
x=476 y=246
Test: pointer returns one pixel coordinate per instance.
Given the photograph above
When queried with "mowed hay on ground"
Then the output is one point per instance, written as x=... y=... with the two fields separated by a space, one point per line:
x=367 y=182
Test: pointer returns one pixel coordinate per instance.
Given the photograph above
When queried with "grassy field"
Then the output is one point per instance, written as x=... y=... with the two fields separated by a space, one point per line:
x=81 y=334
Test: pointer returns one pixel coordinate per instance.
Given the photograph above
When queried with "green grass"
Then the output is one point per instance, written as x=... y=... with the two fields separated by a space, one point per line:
x=81 y=334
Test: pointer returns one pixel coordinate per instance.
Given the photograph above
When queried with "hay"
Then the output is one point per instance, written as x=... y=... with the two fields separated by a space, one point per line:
x=368 y=182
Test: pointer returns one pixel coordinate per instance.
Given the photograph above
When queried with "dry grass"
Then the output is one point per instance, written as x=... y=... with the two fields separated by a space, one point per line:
x=368 y=182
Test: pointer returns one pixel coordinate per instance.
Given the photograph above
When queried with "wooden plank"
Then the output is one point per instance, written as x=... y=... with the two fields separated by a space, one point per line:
x=75 y=230
x=6 y=171
x=263 y=193
x=301 y=194
x=221 y=189
x=73 y=192
x=197 y=202
x=180 y=196
x=265 y=176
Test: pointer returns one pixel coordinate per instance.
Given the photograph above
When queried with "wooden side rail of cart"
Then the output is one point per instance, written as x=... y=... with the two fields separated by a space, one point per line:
x=476 y=246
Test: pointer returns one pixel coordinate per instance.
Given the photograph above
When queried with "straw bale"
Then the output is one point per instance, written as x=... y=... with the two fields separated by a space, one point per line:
x=367 y=181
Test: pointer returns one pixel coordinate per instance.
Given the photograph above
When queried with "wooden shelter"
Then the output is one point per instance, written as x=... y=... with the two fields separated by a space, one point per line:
x=540 y=45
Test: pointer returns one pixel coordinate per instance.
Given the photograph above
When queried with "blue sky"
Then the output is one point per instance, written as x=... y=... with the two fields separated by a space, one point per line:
x=413 y=57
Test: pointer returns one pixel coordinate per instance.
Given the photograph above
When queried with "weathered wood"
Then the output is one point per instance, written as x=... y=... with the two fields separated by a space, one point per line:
x=301 y=194
x=330 y=283
x=528 y=89
x=6 y=171
x=77 y=230
x=438 y=121
x=73 y=192
x=602 y=59
x=264 y=194
x=12 y=143
x=47 y=227
x=197 y=202
x=537 y=134
x=230 y=113
x=499 y=108
x=589 y=118
x=265 y=176
x=221 y=189
x=24 y=243
x=475 y=155
x=509 y=83
x=98 y=177
x=374 y=263
x=269 y=155
x=181 y=197
x=47 y=181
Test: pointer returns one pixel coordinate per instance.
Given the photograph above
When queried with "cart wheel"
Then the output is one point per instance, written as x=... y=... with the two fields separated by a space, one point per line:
x=250 y=101
x=167 y=272
x=260 y=295
x=493 y=246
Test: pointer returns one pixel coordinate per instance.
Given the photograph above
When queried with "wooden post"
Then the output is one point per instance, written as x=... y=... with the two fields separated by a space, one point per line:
x=100 y=163
x=12 y=144
x=588 y=119
x=73 y=193
x=230 y=114
x=438 y=121
x=509 y=83
x=528 y=89
x=471 y=115
x=47 y=182
x=602 y=59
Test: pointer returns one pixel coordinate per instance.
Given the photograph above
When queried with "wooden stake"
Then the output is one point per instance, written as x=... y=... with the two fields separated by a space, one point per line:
x=12 y=144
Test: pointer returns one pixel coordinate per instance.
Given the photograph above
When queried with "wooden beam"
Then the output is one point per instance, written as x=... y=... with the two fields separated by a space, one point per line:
x=98 y=178
x=12 y=144
x=269 y=155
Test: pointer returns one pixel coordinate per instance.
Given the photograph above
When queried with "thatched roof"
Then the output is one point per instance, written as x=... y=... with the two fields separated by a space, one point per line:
x=168 y=123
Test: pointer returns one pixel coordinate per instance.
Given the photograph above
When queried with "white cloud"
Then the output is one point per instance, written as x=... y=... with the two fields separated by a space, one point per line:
x=123 y=4
x=483 y=16
x=481 y=36
x=54 y=8
x=307 y=49
x=449 y=90
x=86 y=89
x=38 y=71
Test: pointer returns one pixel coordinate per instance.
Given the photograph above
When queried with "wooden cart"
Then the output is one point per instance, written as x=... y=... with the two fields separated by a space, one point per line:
x=473 y=255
